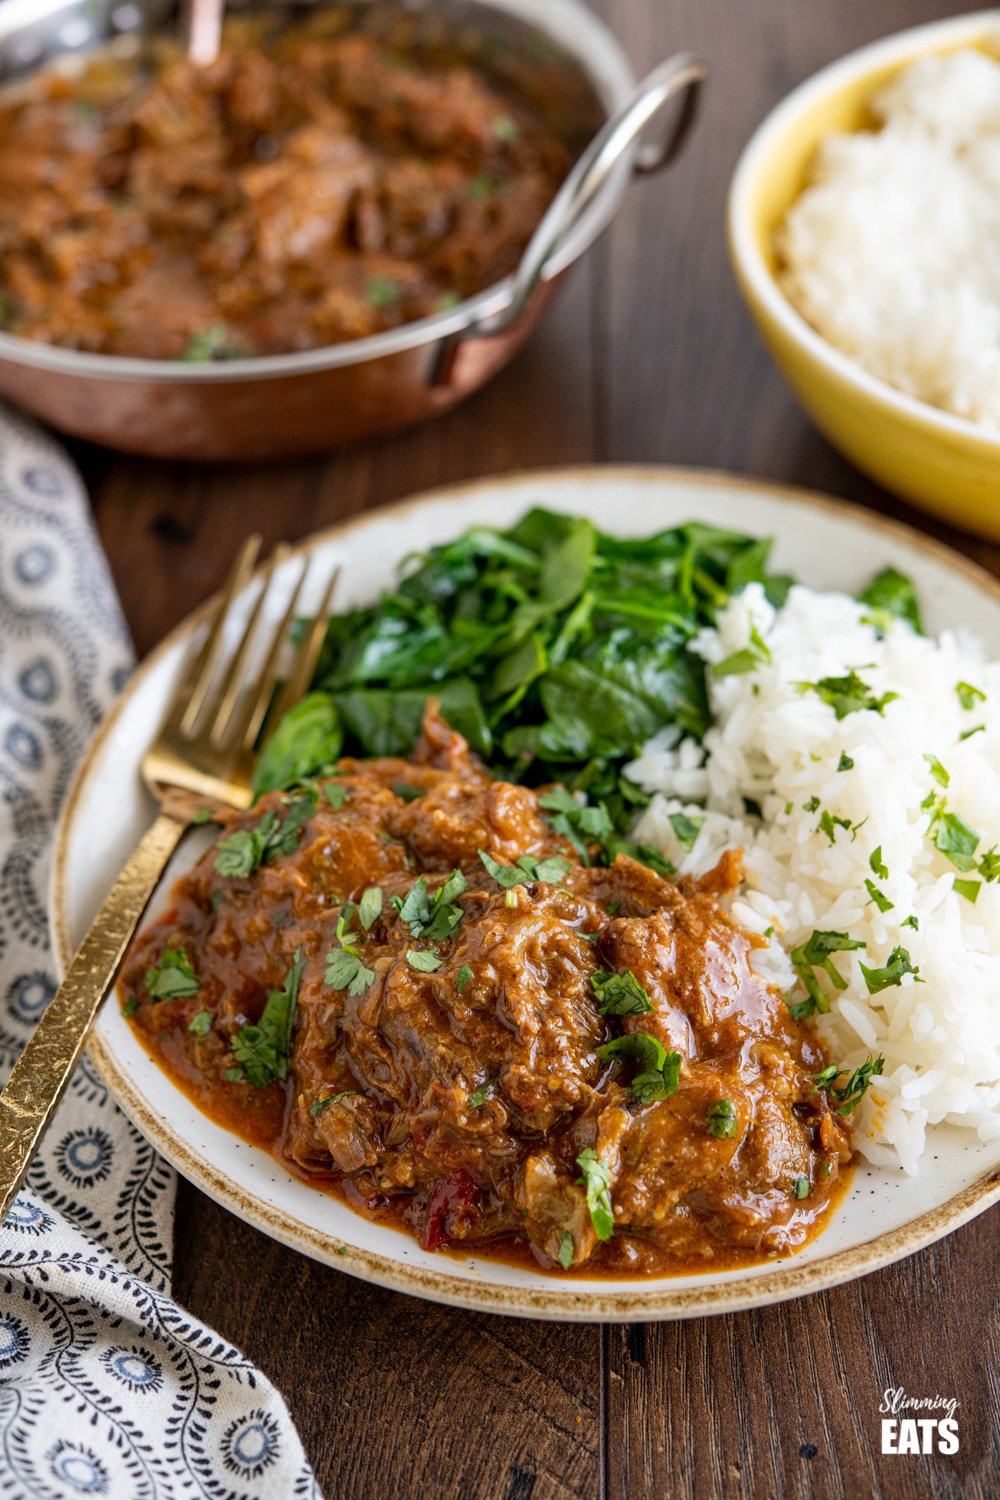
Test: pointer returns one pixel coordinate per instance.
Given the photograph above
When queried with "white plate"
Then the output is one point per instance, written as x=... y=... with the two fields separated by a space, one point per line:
x=825 y=543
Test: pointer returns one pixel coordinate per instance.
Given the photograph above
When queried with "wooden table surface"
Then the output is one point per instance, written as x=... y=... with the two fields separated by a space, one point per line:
x=649 y=357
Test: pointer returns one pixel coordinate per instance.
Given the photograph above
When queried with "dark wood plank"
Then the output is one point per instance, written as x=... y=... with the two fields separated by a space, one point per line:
x=649 y=357
x=396 y=1397
x=785 y=1401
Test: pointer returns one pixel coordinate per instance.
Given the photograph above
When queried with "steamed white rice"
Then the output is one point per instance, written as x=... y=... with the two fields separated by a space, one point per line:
x=892 y=252
x=780 y=746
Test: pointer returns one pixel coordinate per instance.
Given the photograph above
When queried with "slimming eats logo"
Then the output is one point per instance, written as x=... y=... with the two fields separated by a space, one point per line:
x=924 y=1433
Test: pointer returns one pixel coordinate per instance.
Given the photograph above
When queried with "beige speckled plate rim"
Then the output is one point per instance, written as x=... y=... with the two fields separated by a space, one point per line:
x=637 y=1300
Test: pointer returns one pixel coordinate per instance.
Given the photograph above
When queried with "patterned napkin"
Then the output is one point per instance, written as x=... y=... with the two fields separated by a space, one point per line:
x=107 y=1387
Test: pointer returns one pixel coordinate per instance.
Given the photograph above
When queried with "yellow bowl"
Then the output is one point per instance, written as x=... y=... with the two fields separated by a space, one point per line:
x=943 y=462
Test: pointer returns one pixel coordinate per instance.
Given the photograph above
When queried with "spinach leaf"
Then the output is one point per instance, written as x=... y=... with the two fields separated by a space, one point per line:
x=173 y=978
x=387 y=722
x=554 y=648
x=308 y=739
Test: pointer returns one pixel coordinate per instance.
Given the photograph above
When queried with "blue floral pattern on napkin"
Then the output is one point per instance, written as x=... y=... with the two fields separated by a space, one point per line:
x=107 y=1387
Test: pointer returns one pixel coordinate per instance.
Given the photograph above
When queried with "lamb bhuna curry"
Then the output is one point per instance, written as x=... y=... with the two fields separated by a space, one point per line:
x=308 y=188
x=401 y=981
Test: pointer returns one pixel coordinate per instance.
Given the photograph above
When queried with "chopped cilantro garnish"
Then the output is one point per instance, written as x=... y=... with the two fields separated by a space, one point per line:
x=201 y=1024
x=208 y=344
x=876 y=866
x=242 y=852
x=262 y=1051
x=954 y=838
x=829 y=823
x=815 y=954
x=370 y=907
x=849 y=1094
x=203 y=815
x=911 y=921
x=462 y=978
x=845 y=763
x=891 y=973
x=847 y=695
x=619 y=994
x=989 y=865
x=722 y=1120
x=891 y=596
x=479 y=1098
x=644 y=854
x=131 y=1006
x=595 y=822
x=424 y=960
x=581 y=823
x=596 y=1178
x=173 y=978
x=976 y=729
x=587 y=825
x=319 y=1105
x=969 y=696
x=436 y=916
x=407 y=792
x=810 y=807
x=657 y=1070
x=383 y=291
x=800 y=1187
x=553 y=868
x=753 y=655
x=882 y=902
x=566 y=1250
x=968 y=888
x=686 y=829
x=335 y=793
x=937 y=770
x=506 y=128
x=568 y=819
x=345 y=968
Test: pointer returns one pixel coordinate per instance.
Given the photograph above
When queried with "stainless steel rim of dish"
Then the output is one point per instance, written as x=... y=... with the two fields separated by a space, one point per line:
x=636 y=1301
x=570 y=24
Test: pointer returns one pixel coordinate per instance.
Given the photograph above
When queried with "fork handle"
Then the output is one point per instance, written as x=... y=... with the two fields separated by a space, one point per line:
x=42 y=1072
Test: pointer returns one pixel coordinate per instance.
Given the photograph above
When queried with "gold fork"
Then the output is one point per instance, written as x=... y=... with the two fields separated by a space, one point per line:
x=204 y=755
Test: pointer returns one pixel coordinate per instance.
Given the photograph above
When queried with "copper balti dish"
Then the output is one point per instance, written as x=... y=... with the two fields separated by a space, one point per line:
x=324 y=398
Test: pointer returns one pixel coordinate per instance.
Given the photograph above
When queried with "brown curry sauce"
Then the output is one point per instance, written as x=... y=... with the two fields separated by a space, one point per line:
x=314 y=185
x=466 y=1093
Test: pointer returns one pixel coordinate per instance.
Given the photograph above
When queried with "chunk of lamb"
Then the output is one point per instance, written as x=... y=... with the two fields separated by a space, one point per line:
x=694 y=963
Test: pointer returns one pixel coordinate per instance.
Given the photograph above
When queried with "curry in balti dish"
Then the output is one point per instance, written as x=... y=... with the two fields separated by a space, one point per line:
x=315 y=184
